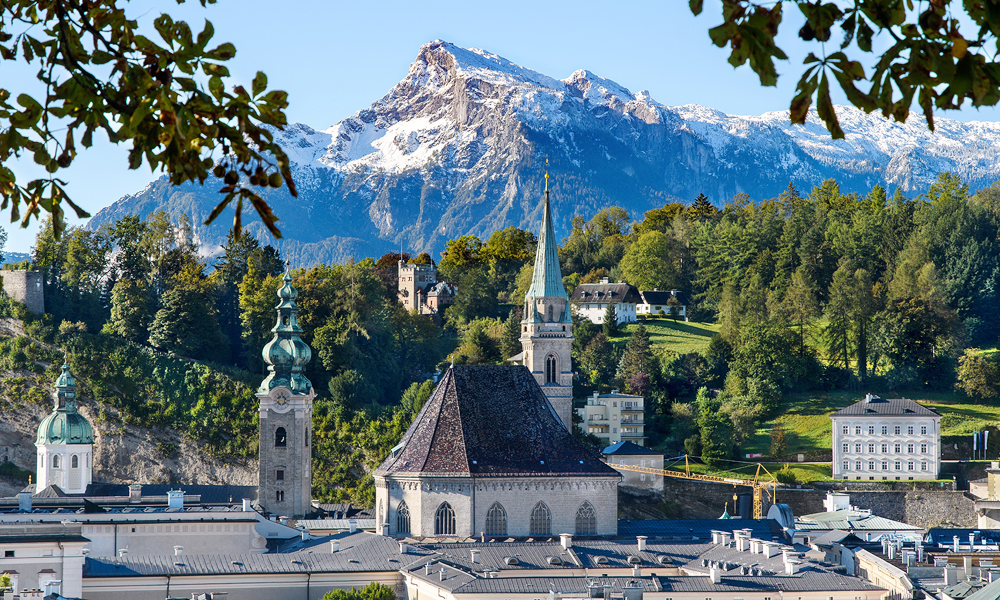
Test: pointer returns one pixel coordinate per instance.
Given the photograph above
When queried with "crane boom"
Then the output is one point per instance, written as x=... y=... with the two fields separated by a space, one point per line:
x=758 y=485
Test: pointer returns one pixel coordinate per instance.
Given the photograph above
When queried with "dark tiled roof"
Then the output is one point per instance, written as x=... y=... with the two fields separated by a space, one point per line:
x=603 y=292
x=661 y=297
x=880 y=407
x=491 y=421
x=628 y=448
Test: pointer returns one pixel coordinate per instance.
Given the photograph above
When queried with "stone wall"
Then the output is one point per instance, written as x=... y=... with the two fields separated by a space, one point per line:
x=706 y=500
x=25 y=287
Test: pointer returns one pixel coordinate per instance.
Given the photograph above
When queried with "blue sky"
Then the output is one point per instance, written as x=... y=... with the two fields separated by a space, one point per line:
x=335 y=58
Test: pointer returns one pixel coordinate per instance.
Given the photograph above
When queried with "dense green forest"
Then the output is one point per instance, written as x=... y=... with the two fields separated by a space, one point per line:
x=810 y=291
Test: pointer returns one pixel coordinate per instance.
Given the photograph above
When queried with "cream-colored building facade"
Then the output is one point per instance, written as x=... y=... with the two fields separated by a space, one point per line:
x=877 y=439
x=615 y=417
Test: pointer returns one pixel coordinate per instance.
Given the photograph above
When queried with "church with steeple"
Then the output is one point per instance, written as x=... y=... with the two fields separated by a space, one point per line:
x=547 y=326
x=65 y=442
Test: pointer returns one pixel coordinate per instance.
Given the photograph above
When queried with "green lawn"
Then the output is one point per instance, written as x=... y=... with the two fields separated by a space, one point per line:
x=665 y=334
x=806 y=419
x=803 y=472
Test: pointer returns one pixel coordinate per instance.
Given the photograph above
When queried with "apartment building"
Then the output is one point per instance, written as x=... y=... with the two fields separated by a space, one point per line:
x=614 y=417
x=876 y=439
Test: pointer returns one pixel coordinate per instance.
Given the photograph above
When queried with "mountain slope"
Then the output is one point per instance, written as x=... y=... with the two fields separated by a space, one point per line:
x=458 y=146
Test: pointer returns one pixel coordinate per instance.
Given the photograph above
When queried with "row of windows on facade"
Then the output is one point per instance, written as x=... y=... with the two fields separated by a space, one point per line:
x=898 y=448
x=846 y=430
x=859 y=465
x=74 y=461
x=281 y=438
x=615 y=430
x=496 y=520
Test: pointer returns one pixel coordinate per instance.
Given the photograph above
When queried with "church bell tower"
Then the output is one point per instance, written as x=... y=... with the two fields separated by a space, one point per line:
x=286 y=401
x=547 y=326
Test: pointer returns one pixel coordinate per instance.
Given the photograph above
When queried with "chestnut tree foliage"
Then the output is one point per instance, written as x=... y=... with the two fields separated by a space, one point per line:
x=164 y=92
x=940 y=53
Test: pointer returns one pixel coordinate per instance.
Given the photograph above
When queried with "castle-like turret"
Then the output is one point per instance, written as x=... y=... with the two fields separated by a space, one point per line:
x=65 y=441
x=286 y=399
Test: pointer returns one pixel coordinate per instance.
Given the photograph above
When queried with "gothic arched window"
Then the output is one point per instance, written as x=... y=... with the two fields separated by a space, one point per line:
x=74 y=462
x=550 y=313
x=496 y=520
x=541 y=520
x=444 y=520
x=550 y=368
x=586 y=520
x=280 y=438
x=55 y=461
x=403 y=518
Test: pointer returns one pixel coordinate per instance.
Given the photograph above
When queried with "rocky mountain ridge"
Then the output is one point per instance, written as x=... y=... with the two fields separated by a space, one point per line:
x=459 y=146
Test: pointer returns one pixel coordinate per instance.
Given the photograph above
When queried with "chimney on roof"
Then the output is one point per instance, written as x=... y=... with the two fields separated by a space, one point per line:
x=641 y=540
x=604 y=280
x=566 y=540
x=334 y=547
x=403 y=547
x=352 y=525
x=122 y=552
x=178 y=550
x=636 y=571
x=24 y=501
x=715 y=573
x=474 y=556
x=792 y=567
x=441 y=573
x=247 y=505
x=135 y=493
x=175 y=499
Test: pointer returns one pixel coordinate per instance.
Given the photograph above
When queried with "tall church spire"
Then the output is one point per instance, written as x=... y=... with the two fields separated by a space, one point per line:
x=547 y=327
x=546 y=279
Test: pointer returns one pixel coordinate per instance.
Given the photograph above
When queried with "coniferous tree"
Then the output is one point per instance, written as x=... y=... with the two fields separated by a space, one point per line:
x=510 y=341
x=701 y=208
x=132 y=310
x=610 y=324
x=839 y=310
x=637 y=358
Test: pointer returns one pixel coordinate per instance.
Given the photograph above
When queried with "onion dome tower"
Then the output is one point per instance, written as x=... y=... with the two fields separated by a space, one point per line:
x=65 y=442
x=547 y=326
x=285 y=405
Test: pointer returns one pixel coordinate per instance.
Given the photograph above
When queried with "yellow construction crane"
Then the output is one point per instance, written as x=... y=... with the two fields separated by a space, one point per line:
x=758 y=484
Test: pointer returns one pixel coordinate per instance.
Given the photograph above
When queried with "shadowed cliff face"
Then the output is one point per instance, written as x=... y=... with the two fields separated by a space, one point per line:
x=459 y=146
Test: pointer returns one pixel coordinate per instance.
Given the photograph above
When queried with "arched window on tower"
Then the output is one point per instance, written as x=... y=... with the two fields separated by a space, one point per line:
x=55 y=461
x=307 y=437
x=74 y=462
x=586 y=520
x=550 y=313
x=444 y=520
x=280 y=438
x=403 y=519
x=550 y=368
x=496 y=520
x=541 y=520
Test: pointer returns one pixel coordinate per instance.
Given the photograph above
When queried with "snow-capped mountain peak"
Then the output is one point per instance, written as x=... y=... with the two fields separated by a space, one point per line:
x=458 y=146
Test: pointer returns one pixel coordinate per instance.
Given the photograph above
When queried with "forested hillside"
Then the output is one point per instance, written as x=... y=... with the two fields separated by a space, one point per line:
x=812 y=290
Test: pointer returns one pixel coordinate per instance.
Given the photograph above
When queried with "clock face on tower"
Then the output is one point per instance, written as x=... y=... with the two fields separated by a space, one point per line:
x=281 y=397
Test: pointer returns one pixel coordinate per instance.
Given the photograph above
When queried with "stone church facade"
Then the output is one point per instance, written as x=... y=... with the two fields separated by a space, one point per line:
x=487 y=455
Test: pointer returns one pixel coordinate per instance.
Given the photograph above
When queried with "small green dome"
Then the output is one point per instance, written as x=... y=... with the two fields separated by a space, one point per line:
x=64 y=425
x=286 y=355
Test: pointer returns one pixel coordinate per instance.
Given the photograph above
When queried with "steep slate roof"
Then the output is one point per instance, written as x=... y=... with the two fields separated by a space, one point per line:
x=546 y=277
x=897 y=407
x=627 y=448
x=696 y=529
x=491 y=421
x=662 y=297
x=605 y=292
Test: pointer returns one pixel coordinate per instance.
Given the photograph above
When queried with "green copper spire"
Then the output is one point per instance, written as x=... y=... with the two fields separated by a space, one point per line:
x=64 y=425
x=546 y=279
x=286 y=354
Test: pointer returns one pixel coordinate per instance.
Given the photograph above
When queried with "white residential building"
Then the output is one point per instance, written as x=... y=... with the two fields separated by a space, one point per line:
x=659 y=302
x=877 y=439
x=591 y=300
x=614 y=417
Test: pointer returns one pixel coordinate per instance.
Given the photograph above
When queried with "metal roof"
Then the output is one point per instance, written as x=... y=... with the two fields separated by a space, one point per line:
x=546 y=277
x=897 y=407
x=847 y=520
x=687 y=529
x=627 y=448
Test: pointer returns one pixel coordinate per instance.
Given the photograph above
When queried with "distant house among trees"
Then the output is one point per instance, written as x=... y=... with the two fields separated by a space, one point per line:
x=661 y=303
x=591 y=300
x=420 y=290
